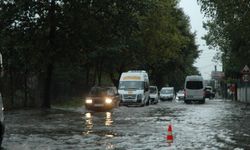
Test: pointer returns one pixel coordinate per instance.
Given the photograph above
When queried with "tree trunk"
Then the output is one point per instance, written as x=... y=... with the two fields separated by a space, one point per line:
x=12 y=86
x=87 y=76
x=100 y=73
x=50 y=55
x=94 y=75
x=25 y=87
x=113 y=79
x=47 y=87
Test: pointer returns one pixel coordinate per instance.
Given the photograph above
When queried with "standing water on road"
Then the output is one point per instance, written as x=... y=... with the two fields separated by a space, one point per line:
x=217 y=124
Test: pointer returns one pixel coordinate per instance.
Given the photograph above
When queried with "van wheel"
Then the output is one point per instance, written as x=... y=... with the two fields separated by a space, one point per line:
x=202 y=101
x=147 y=102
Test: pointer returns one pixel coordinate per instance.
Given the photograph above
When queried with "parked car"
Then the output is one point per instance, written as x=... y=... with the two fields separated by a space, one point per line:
x=167 y=93
x=180 y=95
x=209 y=92
x=153 y=94
x=102 y=98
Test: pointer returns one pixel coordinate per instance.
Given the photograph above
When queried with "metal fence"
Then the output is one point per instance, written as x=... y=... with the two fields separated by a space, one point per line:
x=243 y=92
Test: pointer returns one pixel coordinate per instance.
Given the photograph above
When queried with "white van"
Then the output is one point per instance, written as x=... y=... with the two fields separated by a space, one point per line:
x=167 y=93
x=134 y=88
x=194 y=89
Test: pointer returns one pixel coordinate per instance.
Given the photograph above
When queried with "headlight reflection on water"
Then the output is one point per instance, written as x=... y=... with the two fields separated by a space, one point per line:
x=98 y=120
x=108 y=119
x=88 y=123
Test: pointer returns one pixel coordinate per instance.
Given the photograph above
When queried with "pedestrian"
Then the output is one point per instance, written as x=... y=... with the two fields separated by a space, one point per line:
x=233 y=91
x=229 y=93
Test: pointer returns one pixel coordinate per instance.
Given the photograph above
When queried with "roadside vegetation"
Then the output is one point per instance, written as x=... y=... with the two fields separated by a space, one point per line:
x=229 y=33
x=74 y=102
x=57 y=49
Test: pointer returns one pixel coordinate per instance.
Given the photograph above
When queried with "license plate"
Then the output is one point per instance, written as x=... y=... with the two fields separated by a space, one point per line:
x=98 y=105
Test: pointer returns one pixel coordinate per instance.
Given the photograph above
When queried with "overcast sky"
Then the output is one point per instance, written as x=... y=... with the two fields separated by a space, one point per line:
x=204 y=62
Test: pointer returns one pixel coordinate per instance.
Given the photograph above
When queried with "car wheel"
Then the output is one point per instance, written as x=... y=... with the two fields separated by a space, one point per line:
x=187 y=101
x=142 y=105
x=151 y=101
x=1 y=133
x=157 y=101
x=202 y=101
x=147 y=102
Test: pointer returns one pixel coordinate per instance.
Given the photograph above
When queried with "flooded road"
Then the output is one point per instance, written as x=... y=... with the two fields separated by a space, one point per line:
x=217 y=124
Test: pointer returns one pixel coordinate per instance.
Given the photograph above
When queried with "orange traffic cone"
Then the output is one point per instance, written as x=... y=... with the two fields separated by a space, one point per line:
x=169 y=137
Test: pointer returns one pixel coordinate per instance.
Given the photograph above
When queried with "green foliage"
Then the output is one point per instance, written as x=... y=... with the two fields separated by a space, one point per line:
x=229 y=32
x=74 y=102
x=71 y=45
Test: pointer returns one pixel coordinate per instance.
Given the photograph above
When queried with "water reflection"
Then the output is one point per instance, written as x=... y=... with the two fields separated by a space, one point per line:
x=99 y=120
x=88 y=123
x=108 y=119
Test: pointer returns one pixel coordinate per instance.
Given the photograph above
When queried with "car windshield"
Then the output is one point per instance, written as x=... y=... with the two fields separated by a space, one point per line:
x=131 y=85
x=194 y=85
x=98 y=91
x=180 y=92
x=166 y=91
x=152 y=90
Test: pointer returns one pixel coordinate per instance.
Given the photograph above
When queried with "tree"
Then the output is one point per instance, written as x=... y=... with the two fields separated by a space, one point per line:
x=228 y=32
x=62 y=47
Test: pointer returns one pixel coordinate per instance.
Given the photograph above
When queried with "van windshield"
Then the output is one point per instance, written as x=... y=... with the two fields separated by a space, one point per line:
x=194 y=85
x=131 y=85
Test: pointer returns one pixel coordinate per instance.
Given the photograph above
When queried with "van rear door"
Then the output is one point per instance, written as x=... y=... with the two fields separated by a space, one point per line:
x=194 y=89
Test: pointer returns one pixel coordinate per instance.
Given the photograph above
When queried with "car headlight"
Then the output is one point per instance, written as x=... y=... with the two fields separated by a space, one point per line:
x=88 y=101
x=108 y=100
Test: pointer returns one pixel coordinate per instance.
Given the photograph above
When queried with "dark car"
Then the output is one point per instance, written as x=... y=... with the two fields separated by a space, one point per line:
x=209 y=92
x=102 y=99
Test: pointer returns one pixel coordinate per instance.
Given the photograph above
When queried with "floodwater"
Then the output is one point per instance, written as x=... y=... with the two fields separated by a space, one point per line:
x=217 y=124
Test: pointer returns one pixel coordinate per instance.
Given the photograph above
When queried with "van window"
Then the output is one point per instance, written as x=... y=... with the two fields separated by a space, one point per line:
x=194 y=85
